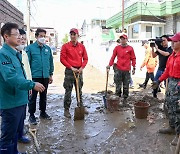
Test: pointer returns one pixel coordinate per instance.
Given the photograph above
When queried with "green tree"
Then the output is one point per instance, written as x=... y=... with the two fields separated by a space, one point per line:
x=65 y=39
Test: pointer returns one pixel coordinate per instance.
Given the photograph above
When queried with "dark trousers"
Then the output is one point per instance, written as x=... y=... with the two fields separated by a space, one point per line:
x=69 y=81
x=115 y=73
x=122 y=79
x=12 y=123
x=43 y=97
x=21 y=132
x=158 y=74
x=149 y=76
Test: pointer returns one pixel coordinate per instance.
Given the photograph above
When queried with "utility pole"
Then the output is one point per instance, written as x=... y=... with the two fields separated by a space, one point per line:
x=28 y=21
x=122 y=15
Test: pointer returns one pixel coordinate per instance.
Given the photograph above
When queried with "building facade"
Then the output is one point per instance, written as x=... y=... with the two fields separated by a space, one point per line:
x=8 y=13
x=95 y=32
x=148 y=19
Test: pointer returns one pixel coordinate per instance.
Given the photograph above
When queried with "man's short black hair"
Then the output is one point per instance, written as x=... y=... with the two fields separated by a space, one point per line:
x=118 y=41
x=39 y=30
x=7 y=27
x=166 y=36
x=22 y=32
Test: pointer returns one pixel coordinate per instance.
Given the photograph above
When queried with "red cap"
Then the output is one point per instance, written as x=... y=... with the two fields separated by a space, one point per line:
x=175 y=38
x=74 y=30
x=124 y=36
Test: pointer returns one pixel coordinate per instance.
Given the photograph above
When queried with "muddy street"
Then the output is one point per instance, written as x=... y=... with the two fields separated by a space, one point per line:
x=102 y=131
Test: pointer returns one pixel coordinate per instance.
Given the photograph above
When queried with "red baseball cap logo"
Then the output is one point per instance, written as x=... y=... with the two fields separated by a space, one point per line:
x=124 y=36
x=74 y=30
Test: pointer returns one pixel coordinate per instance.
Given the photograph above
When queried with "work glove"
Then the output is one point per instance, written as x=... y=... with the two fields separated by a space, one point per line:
x=108 y=67
x=155 y=84
x=133 y=71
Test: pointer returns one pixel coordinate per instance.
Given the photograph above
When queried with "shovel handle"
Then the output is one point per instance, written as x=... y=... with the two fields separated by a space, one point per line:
x=77 y=88
x=107 y=76
x=166 y=85
x=33 y=133
x=178 y=146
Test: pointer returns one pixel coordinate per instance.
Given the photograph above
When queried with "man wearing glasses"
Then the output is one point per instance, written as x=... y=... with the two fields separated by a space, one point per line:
x=74 y=58
x=14 y=89
x=163 y=55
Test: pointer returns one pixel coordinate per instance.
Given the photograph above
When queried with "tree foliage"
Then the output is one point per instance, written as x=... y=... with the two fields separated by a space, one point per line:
x=65 y=39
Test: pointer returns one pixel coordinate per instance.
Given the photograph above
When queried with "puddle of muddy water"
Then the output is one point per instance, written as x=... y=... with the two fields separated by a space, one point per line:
x=100 y=132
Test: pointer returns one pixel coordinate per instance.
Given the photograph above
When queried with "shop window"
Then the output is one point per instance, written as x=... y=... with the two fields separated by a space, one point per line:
x=158 y=31
x=148 y=31
x=135 y=31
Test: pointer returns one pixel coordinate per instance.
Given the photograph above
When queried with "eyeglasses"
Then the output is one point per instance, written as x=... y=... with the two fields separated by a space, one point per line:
x=17 y=35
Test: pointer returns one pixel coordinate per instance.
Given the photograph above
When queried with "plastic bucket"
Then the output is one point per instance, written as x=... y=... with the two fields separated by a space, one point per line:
x=113 y=103
x=141 y=109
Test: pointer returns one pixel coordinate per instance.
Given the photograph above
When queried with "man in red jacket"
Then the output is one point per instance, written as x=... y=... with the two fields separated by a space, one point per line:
x=172 y=72
x=125 y=58
x=74 y=58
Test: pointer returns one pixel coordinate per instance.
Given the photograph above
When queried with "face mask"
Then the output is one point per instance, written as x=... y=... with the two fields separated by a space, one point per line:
x=42 y=40
x=20 y=47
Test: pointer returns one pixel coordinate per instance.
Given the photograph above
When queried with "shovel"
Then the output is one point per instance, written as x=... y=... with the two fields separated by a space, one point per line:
x=105 y=96
x=79 y=110
x=33 y=132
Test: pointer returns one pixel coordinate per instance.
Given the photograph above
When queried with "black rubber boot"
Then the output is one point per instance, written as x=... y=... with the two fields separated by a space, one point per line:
x=66 y=113
x=168 y=130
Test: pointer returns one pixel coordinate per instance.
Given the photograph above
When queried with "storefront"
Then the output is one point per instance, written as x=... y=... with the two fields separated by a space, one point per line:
x=145 y=30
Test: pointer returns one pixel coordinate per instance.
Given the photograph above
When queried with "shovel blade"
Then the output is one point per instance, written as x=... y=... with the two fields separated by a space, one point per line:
x=79 y=113
x=105 y=101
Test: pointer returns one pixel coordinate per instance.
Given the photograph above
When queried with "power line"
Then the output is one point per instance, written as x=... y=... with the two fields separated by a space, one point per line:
x=34 y=6
x=130 y=11
x=152 y=13
x=34 y=13
x=34 y=20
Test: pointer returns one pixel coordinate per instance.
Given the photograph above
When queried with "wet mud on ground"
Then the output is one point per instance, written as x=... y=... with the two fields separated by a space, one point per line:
x=102 y=131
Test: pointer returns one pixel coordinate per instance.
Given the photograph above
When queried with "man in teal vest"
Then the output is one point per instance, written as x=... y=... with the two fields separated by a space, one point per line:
x=41 y=64
x=13 y=89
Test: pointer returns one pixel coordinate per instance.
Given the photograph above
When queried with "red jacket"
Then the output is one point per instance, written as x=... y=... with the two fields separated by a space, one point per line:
x=172 y=67
x=125 y=57
x=75 y=56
